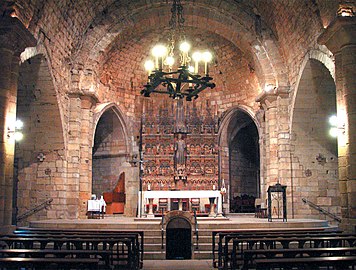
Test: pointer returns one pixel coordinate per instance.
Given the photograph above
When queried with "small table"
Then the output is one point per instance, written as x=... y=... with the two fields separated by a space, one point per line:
x=96 y=207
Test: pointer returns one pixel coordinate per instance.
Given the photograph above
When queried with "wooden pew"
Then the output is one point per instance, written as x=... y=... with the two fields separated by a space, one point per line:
x=138 y=236
x=242 y=245
x=225 y=236
x=93 y=233
x=249 y=256
x=45 y=263
x=124 y=248
x=102 y=255
x=337 y=262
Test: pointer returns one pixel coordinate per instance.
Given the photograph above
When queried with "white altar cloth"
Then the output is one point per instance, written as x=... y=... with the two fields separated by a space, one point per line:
x=96 y=205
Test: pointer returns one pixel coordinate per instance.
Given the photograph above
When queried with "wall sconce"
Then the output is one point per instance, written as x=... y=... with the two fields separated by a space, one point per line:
x=269 y=88
x=14 y=131
x=337 y=128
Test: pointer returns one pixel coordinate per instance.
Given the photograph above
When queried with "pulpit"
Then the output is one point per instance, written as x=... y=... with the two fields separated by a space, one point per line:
x=276 y=190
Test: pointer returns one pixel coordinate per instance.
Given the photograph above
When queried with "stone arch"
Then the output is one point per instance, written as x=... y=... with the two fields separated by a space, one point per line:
x=226 y=119
x=104 y=107
x=179 y=214
x=313 y=151
x=325 y=58
x=44 y=140
x=236 y=120
x=41 y=51
x=111 y=152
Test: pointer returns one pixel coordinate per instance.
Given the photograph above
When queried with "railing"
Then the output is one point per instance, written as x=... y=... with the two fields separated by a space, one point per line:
x=162 y=230
x=321 y=210
x=196 y=229
x=34 y=210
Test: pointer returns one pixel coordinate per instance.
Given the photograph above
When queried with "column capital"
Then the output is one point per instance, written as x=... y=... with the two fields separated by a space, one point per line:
x=341 y=32
x=268 y=98
x=88 y=100
x=14 y=35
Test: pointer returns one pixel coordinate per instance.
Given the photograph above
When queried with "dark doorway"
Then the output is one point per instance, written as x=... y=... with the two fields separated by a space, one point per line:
x=244 y=164
x=178 y=240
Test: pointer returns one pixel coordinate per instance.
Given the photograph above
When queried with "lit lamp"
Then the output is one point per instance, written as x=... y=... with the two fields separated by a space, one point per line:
x=269 y=88
x=345 y=11
x=15 y=131
x=185 y=81
x=336 y=129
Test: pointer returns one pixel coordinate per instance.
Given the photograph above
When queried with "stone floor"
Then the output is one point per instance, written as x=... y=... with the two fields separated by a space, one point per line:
x=177 y=265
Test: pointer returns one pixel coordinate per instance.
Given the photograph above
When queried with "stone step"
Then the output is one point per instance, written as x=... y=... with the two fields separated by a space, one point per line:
x=152 y=230
x=161 y=255
x=158 y=247
x=158 y=239
x=157 y=233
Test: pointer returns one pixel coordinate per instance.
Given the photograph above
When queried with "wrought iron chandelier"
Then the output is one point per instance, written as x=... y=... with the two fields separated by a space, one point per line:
x=185 y=81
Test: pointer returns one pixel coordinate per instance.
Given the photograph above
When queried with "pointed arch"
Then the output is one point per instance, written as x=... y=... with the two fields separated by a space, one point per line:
x=111 y=106
x=239 y=140
x=226 y=119
x=326 y=59
x=314 y=101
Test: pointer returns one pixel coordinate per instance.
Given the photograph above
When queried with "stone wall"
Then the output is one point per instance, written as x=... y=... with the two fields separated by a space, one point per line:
x=40 y=155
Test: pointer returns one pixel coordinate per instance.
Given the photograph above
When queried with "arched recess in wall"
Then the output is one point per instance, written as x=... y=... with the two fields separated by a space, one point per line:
x=110 y=152
x=314 y=151
x=240 y=159
x=40 y=156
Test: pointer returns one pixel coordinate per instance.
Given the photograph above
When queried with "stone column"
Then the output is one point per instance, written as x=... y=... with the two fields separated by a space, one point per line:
x=80 y=142
x=14 y=38
x=340 y=38
x=131 y=188
x=276 y=160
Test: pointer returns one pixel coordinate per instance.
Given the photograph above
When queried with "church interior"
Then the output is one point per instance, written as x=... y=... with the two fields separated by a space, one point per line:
x=250 y=127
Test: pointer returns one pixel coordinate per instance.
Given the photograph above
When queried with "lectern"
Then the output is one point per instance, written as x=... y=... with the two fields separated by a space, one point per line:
x=278 y=188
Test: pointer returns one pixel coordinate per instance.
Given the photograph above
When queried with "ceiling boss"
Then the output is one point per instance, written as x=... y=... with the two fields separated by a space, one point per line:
x=185 y=81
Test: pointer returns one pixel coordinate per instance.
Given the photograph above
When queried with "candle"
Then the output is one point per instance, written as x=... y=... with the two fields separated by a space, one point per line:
x=214 y=187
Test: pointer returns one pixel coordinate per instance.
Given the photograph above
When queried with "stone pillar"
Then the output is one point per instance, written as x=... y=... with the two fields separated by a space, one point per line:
x=132 y=186
x=14 y=38
x=276 y=159
x=340 y=38
x=80 y=142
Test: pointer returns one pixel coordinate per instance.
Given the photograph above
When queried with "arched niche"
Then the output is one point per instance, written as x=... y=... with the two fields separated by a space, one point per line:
x=240 y=159
x=40 y=155
x=110 y=153
x=314 y=151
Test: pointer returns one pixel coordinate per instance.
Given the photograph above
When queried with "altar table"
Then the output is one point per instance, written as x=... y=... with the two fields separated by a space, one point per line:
x=183 y=194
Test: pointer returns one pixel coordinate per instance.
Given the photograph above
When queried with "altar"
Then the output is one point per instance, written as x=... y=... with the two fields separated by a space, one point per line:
x=96 y=207
x=213 y=196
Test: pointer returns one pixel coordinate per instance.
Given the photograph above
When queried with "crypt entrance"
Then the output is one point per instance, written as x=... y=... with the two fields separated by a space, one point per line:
x=178 y=238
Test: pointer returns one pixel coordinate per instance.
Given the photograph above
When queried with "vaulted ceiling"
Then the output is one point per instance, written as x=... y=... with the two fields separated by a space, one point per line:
x=270 y=36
